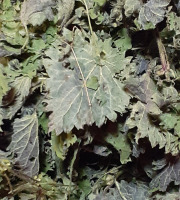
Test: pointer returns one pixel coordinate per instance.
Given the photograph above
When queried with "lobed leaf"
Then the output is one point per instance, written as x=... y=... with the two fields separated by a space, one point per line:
x=87 y=91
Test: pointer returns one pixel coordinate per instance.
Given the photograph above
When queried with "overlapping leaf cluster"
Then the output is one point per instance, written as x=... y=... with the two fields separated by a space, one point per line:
x=89 y=99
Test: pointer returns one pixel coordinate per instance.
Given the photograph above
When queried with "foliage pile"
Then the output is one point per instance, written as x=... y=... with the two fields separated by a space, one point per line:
x=89 y=93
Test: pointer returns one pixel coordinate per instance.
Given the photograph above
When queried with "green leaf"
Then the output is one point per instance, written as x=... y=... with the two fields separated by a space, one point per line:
x=38 y=45
x=120 y=142
x=43 y=122
x=124 y=43
x=173 y=21
x=77 y=104
x=25 y=144
x=100 y=2
x=6 y=4
x=11 y=30
x=92 y=83
x=62 y=143
x=85 y=187
x=171 y=121
x=31 y=65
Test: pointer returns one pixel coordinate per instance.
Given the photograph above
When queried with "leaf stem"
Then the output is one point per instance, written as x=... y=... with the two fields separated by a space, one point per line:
x=116 y=183
x=84 y=81
x=89 y=20
x=27 y=37
x=9 y=182
x=162 y=54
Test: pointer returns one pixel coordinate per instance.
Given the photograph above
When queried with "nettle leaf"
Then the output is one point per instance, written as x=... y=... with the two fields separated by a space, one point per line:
x=168 y=175
x=116 y=14
x=133 y=191
x=36 y=12
x=170 y=94
x=25 y=144
x=120 y=142
x=144 y=89
x=21 y=86
x=171 y=121
x=173 y=22
x=125 y=190
x=62 y=143
x=151 y=100
x=131 y=7
x=71 y=101
x=12 y=32
x=124 y=42
x=153 y=12
x=140 y=118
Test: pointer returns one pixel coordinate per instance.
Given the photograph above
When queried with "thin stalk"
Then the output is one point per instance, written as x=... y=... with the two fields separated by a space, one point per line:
x=89 y=20
x=84 y=81
x=116 y=183
x=163 y=55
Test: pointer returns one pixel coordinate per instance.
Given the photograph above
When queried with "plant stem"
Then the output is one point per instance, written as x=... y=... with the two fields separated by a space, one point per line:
x=163 y=55
x=89 y=20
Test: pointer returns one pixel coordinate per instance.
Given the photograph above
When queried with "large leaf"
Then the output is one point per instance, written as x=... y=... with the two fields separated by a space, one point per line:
x=169 y=174
x=152 y=12
x=25 y=144
x=87 y=91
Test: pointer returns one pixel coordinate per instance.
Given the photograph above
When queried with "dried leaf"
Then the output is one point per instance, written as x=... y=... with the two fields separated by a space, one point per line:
x=25 y=144
x=152 y=12
x=36 y=12
x=168 y=175
x=77 y=104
